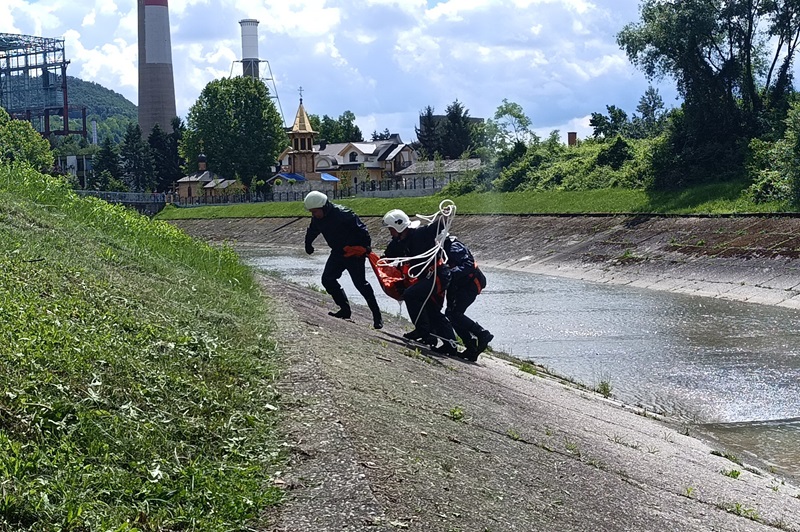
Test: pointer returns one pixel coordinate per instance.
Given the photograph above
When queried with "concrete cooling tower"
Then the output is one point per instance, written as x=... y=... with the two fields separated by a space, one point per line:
x=156 y=82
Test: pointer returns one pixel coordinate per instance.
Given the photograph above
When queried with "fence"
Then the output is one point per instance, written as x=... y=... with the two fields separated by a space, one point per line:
x=387 y=188
x=146 y=203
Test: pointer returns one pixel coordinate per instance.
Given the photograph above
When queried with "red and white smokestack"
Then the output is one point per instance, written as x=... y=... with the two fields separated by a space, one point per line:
x=249 y=47
x=156 y=82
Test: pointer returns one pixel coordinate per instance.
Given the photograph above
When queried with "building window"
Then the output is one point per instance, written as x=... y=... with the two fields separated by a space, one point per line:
x=296 y=144
x=353 y=157
x=303 y=144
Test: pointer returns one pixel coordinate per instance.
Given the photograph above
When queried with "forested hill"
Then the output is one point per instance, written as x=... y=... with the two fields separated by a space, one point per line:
x=112 y=111
x=100 y=102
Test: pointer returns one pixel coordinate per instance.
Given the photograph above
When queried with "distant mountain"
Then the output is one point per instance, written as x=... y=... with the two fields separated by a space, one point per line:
x=101 y=103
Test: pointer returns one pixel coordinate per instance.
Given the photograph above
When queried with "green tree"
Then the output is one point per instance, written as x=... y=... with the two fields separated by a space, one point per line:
x=20 y=143
x=458 y=132
x=385 y=135
x=337 y=130
x=166 y=159
x=725 y=56
x=136 y=161
x=429 y=134
x=105 y=161
x=513 y=125
x=651 y=118
x=616 y=123
x=236 y=125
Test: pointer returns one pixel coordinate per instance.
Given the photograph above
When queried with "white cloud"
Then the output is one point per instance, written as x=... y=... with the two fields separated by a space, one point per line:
x=384 y=60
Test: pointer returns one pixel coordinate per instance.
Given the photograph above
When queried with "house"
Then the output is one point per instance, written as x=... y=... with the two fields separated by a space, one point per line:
x=205 y=183
x=446 y=169
x=349 y=162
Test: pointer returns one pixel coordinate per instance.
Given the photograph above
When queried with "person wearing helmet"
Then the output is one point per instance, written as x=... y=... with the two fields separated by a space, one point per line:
x=466 y=282
x=423 y=298
x=350 y=243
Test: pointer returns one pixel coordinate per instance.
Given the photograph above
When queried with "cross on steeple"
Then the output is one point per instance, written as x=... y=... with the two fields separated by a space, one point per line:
x=300 y=90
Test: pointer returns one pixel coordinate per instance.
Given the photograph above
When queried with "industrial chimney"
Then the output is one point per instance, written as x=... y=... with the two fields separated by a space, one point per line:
x=156 y=82
x=249 y=47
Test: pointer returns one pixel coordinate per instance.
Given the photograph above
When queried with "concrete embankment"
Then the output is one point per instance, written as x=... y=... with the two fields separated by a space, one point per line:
x=747 y=258
x=385 y=438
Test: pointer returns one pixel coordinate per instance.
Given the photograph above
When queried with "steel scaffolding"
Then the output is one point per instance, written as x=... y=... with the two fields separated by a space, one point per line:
x=33 y=84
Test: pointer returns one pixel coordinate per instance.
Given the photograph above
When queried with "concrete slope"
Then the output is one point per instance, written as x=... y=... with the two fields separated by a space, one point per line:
x=747 y=258
x=386 y=438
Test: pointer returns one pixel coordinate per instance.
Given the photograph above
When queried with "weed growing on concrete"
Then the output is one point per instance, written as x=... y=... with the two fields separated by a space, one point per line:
x=604 y=388
x=738 y=509
x=456 y=413
x=732 y=457
x=733 y=473
x=316 y=288
x=689 y=493
x=528 y=368
x=513 y=434
x=572 y=447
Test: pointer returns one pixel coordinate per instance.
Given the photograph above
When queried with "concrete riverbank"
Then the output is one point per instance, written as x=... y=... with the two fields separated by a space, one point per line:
x=753 y=259
x=385 y=438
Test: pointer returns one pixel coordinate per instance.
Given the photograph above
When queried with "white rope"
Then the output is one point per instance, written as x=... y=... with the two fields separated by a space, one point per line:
x=428 y=259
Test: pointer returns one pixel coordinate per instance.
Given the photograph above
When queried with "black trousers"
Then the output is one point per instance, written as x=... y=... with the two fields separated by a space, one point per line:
x=424 y=309
x=459 y=298
x=335 y=266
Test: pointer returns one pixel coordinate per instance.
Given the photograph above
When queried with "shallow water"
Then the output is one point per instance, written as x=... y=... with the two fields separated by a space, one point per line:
x=730 y=367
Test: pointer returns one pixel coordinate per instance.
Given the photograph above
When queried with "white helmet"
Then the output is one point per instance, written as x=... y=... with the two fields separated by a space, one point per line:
x=397 y=219
x=315 y=200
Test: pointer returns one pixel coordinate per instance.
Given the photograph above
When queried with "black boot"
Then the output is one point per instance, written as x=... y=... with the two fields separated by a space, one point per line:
x=340 y=299
x=377 y=319
x=484 y=337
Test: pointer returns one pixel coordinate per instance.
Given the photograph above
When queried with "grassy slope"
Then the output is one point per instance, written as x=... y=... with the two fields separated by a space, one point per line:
x=707 y=199
x=136 y=368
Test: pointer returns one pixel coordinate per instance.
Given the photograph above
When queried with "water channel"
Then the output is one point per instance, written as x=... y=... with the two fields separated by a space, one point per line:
x=729 y=368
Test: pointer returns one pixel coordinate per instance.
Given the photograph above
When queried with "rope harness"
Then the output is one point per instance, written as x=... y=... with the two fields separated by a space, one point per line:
x=430 y=260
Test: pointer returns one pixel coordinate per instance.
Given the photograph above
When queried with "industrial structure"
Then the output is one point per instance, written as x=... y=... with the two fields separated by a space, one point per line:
x=33 y=84
x=251 y=61
x=156 y=81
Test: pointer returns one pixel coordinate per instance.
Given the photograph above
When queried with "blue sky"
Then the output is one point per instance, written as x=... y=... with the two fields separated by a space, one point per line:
x=384 y=60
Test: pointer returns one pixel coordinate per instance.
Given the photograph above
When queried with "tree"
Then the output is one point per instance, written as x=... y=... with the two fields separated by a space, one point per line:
x=616 y=123
x=512 y=125
x=385 y=135
x=458 y=135
x=429 y=134
x=106 y=161
x=20 y=143
x=649 y=122
x=336 y=131
x=724 y=59
x=166 y=159
x=236 y=125
x=137 y=161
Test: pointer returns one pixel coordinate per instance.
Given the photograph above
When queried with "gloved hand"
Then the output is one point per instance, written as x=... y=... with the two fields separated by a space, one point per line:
x=355 y=251
x=309 y=249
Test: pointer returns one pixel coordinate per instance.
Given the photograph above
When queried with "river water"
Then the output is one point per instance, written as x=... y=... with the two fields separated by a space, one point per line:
x=731 y=369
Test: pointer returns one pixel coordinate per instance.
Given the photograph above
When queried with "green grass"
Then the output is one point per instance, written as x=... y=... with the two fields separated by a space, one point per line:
x=714 y=199
x=136 y=366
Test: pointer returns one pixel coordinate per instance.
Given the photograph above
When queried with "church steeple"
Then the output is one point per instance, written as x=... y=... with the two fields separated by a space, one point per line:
x=302 y=138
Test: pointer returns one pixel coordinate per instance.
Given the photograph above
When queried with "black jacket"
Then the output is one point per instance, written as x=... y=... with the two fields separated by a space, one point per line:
x=460 y=260
x=340 y=227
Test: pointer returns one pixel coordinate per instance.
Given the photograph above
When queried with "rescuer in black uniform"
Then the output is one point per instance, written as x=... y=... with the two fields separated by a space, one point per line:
x=350 y=243
x=424 y=297
x=466 y=282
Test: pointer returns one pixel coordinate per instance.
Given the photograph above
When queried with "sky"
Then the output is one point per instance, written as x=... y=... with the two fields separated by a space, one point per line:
x=384 y=60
